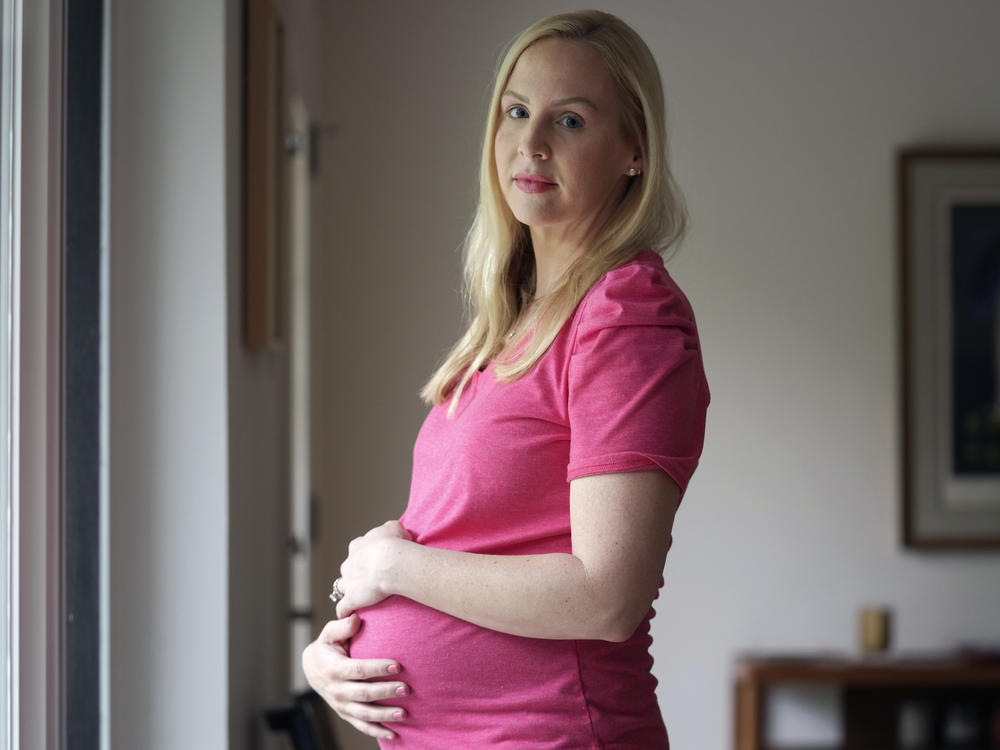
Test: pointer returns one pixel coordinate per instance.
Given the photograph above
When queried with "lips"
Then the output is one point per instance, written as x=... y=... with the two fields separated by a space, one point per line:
x=533 y=183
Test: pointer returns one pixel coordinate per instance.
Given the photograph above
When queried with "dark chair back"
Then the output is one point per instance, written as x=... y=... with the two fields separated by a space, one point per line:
x=306 y=722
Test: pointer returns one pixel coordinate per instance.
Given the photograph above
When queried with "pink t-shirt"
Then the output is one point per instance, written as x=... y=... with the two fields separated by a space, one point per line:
x=622 y=388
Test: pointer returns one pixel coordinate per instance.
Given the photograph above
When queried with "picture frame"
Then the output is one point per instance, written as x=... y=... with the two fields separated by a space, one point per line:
x=949 y=232
x=265 y=180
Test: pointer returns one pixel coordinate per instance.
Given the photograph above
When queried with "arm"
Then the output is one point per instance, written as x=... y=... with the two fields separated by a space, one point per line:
x=620 y=524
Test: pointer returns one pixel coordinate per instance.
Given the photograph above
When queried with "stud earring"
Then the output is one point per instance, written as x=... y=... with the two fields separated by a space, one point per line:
x=632 y=172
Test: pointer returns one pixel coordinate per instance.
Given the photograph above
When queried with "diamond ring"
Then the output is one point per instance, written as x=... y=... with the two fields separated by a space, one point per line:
x=336 y=595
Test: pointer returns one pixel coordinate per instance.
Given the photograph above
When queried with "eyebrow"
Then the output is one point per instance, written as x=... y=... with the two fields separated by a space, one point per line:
x=554 y=103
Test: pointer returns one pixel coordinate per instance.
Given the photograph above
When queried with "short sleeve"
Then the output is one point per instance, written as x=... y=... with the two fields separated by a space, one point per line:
x=637 y=394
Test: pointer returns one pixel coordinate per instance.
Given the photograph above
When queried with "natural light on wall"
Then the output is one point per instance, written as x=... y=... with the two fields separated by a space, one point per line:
x=6 y=138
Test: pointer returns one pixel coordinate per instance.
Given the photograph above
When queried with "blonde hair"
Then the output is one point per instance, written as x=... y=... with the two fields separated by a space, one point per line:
x=499 y=262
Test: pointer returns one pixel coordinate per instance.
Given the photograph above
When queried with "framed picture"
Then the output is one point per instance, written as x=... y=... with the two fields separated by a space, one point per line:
x=950 y=311
x=265 y=215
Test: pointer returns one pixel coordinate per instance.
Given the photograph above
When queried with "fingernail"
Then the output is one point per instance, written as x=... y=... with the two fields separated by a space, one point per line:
x=401 y=691
x=393 y=669
x=398 y=715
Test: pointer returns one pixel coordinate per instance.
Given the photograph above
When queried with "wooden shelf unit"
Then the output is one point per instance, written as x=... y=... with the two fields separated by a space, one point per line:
x=872 y=691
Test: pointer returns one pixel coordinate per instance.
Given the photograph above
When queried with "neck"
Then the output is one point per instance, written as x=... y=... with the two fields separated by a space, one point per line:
x=554 y=252
x=556 y=246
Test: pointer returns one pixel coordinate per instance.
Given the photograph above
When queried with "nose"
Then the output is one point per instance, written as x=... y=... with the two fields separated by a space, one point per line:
x=534 y=144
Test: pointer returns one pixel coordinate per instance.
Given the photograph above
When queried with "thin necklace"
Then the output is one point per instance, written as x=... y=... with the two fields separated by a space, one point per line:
x=523 y=314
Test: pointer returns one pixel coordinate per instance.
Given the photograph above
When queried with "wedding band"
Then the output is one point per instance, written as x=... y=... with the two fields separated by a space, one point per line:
x=336 y=595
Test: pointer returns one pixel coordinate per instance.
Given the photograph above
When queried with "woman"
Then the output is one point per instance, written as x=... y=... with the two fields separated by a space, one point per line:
x=509 y=607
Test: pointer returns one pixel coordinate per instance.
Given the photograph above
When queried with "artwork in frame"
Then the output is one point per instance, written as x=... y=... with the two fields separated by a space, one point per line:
x=266 y=206
x=950 y=312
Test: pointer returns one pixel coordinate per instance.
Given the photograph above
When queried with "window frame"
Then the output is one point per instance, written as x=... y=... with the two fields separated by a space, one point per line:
x=83 y=330
x=6 y=364
x=36 y=335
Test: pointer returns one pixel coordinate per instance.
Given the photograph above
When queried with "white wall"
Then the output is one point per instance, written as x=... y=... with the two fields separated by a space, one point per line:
x=198 y=563
x=198 y=474
x=168 y=473
x=785 y=117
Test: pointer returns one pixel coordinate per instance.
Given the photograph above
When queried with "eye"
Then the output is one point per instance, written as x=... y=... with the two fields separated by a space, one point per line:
x=572 y=122
x=517 y=112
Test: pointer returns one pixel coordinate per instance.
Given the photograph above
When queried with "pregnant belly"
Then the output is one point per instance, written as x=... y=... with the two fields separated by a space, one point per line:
x=473 y=687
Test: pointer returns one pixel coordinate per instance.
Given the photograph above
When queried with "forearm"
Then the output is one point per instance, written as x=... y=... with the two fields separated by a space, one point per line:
x=538 y=596
x=620 y=526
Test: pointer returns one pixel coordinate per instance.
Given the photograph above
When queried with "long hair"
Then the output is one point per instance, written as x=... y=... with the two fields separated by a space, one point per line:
x=499 y=260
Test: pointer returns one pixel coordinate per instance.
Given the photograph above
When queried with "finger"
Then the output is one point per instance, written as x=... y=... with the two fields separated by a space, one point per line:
x=368 y=692
x=372 y=730
x=345 y=608
x=371 y=713
x=345 y=668
x=337 y=631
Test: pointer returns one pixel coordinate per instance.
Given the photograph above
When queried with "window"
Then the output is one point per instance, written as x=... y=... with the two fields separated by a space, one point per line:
x=31 y=227
x=6 y=371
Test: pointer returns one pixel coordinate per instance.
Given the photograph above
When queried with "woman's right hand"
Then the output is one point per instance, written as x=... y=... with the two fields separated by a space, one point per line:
x=343 y=682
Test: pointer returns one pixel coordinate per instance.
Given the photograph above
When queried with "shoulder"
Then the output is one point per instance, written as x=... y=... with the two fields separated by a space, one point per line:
x=640 y=292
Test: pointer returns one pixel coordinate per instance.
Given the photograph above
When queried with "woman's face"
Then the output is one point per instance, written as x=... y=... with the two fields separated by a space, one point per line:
x=560 y=149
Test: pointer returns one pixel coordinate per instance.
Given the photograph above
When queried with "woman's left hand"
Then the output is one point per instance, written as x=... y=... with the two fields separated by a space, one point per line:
x=364 y=575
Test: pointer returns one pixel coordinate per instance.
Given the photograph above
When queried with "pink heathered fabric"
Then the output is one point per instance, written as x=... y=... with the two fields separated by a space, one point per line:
x=621 y=389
